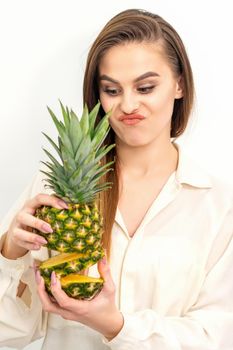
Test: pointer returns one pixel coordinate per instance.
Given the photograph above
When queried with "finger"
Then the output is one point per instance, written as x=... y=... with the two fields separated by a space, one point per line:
x=44 y=199
x=105 y=273
x=23 y=239
x=47 y=304
x=61 y=297
x=84 y=272
x=21 y=235
x=29 y=246
x=28 y=220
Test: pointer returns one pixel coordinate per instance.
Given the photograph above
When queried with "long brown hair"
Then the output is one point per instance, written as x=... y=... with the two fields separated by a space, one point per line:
x=136 y=26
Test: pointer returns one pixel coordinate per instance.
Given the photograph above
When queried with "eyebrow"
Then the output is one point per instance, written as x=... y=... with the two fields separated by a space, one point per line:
x=141 y=77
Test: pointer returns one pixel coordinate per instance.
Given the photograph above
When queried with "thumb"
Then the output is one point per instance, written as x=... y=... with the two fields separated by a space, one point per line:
x=105 y=273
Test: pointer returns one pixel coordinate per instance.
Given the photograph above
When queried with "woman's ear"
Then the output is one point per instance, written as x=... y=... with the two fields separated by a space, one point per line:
x=179 y=88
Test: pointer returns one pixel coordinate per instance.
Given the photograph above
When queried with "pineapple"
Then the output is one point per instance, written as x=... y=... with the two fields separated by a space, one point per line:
x=66 y=263
x=77 y=231
x=79 y=286
x=77 y=228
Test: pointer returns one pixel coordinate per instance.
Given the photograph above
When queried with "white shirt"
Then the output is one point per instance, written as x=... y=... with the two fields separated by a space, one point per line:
x=174 y=277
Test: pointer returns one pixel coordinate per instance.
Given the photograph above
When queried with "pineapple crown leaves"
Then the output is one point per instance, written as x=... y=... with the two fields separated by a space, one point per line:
x=80 y=149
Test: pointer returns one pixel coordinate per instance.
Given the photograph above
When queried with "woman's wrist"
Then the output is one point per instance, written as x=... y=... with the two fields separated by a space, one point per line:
x=115 y=326
x=12 y=251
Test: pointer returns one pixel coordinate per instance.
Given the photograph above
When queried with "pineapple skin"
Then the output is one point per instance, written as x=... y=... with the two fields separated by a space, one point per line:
x=78 y=289
x=77 y=235
x=83 y=291
x=76 y=229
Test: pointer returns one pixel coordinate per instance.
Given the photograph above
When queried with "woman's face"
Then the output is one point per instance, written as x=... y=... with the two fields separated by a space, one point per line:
x=137 y=83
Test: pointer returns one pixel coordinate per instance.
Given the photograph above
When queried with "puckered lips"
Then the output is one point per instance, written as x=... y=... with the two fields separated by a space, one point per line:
x=131 y=119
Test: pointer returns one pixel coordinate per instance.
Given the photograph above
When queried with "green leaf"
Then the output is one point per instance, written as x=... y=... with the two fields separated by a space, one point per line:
x=65 y=116
x=50 y=166
x=58 y=171
x=100 y=174
x=92 y=164
x=76 y=178
x=55 y=180
x=62 y=132
x=68 y=161
x=101 y=132
x=103 y=151
x=92 y=119
x=84 y=122
x=83 y=150
x=49 y=175
x=53 y=144
x=88 y=173
x=52 y=158
x=105 y=186
x=90 y=159
x=57 y=123
x=75 y=131
x=88 y=163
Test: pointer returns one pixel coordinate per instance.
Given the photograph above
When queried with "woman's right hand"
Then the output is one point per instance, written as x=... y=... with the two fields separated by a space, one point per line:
x=20 y=238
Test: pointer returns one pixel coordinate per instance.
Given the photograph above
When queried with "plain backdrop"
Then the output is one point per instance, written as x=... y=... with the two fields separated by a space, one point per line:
x=44 y=45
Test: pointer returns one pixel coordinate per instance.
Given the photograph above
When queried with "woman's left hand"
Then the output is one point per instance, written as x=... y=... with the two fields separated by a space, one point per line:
x=100 y=313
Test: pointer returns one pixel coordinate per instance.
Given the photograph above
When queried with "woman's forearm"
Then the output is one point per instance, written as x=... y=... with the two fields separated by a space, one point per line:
x=14 y=252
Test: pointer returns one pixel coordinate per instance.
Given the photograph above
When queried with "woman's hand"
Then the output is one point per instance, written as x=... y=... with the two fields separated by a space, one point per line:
x=100 y=313
x=20 y=237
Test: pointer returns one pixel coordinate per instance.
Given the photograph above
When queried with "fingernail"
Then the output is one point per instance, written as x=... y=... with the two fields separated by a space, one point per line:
x=47 y=228
x=104 y=260
x=41 y=240
x=34 y=266
x=38 y=277
x=62 y=204
x=53 y=278
x=85 y=272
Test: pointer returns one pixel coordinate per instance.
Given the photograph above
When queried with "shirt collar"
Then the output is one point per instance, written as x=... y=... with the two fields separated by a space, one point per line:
x=189 y=172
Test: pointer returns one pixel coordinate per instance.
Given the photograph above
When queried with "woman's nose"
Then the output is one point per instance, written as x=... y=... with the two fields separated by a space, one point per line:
x=129 y=104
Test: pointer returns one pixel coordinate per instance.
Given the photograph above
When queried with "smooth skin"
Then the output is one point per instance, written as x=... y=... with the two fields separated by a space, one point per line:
x=145 y=153
x=146 y=158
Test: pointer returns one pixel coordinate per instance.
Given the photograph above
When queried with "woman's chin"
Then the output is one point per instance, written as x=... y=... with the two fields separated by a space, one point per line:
x=132 y=141
x=135 y=143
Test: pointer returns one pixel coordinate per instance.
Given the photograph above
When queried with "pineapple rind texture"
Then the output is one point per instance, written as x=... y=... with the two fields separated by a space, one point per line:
x=78 y=289
x=77 y=234
x=77 y=229
x=85 y=290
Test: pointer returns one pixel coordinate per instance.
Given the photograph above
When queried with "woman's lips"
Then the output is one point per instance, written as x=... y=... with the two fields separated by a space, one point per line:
x=131 y=119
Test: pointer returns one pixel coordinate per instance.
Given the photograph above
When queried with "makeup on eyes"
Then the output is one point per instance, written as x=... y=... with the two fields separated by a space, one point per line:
x=146 y=80
x=142 y=88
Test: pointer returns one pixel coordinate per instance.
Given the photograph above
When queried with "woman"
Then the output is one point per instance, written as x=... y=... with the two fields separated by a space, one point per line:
x=168 y=283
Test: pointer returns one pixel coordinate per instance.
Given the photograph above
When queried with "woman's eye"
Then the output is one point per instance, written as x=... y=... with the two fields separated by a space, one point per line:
x=146 y=89
x=142 y=90
x=112 y=92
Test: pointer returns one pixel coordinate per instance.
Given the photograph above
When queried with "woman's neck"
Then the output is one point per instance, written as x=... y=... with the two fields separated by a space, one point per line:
x=146 y=161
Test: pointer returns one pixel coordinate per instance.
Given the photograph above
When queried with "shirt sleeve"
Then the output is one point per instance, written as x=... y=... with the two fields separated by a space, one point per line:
x=22 y=320
x=207 y=325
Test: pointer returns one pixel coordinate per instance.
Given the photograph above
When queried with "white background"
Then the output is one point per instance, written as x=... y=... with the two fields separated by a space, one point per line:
x=43 y=50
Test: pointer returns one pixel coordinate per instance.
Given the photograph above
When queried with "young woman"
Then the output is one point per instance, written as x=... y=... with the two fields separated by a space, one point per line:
x=168 y=224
